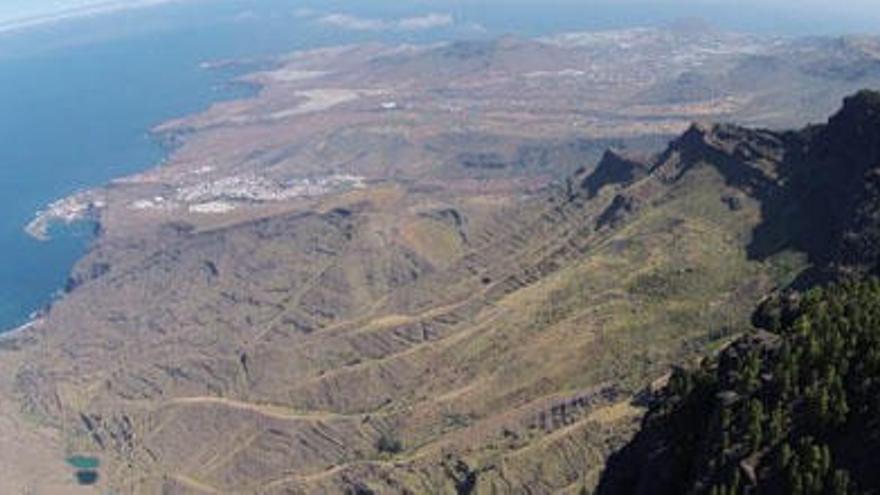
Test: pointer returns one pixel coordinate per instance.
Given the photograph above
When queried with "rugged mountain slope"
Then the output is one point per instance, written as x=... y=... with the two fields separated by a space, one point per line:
x=792 y=411
x=839 y=184
x=825 y=202
x=329 y=351
x=437 y=322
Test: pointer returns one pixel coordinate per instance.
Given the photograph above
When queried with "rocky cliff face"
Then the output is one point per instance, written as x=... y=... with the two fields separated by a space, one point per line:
x=818 y=186
x=714 y=428
x=614 y=169
x=786 y=412
x=839 y=183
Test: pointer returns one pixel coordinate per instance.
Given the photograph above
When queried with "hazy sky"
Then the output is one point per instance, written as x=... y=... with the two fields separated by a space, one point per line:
x=840 y=15
x=16 y=9
x=12 y=11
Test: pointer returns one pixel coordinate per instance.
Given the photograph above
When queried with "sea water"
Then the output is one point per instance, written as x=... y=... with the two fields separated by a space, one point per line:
x=78 y=98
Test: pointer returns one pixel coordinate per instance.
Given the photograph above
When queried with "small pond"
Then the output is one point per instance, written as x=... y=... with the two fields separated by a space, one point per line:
x=86 y=468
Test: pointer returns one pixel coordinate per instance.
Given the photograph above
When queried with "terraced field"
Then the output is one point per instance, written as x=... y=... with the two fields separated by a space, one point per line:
x=400 y=269
x=325 y=351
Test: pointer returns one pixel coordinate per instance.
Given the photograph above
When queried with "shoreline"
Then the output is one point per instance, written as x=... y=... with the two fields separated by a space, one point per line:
x=89 y=204
x=169 y=135
x=79 y=206
x=37 y=320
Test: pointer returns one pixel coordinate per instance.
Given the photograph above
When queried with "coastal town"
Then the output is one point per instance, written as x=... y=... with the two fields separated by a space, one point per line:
x=208 y=197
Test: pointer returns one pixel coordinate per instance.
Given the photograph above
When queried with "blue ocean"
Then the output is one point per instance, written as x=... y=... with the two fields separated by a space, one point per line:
x=77 y=98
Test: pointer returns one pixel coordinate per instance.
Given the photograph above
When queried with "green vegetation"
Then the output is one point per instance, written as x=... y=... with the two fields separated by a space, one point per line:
x=668 y=283
x=793 y=409
x=389 y=444
x=791 y=412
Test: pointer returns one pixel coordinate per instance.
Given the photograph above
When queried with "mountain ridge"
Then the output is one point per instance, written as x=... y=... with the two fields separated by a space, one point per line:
x=464 y=304
x=782 y=409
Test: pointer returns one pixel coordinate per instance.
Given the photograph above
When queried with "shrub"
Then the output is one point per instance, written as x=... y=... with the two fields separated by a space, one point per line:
x=389 y=444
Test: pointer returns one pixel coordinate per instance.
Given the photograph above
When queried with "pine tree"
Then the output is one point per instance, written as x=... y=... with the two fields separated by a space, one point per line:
x=755 y=430
x=785 y=456
x=777 y=424
x=840 y=483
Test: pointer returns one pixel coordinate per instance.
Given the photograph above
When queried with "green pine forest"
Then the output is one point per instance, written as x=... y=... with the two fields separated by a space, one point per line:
x=793 y=406
x=793 y=410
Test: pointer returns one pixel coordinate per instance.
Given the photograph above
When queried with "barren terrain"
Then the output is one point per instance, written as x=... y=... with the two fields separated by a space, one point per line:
x=399 y=269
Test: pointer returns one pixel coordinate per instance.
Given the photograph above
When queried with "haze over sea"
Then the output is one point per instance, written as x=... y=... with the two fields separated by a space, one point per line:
x=77 y=97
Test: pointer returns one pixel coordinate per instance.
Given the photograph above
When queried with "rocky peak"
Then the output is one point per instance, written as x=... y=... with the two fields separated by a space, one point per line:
x=840 y=184
x=855 y=130
x=746 y=157
x=615 y=168
x=692 y=147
